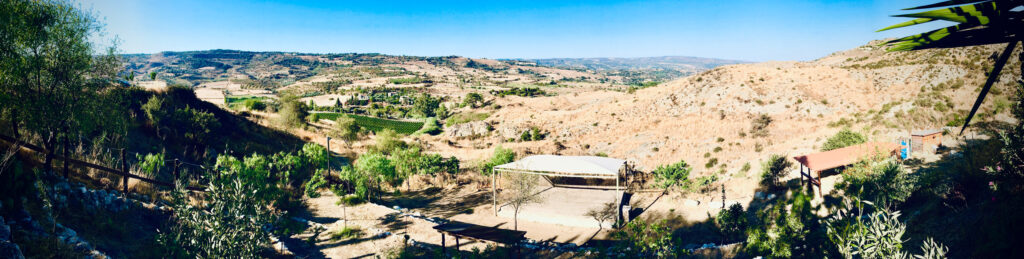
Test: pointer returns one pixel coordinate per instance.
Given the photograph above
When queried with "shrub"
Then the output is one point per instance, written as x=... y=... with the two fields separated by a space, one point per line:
x=711 y=162
x=882 y=181
x=774 y=169
x=231 y=224
x=759 y=127
x=315 y=183
x=150 y=164
x=347 y=233
x=877 y=235
x=430 y=127
x=649 y=240
x=732 y=222
x=501 y=156
x=668 y=176
x=254 y=104
x=843 y=138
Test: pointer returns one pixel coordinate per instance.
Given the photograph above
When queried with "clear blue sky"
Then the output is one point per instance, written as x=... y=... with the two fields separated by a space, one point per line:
x=744 y=30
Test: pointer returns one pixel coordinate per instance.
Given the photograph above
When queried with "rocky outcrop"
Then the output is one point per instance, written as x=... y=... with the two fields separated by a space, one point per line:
x=468 y=130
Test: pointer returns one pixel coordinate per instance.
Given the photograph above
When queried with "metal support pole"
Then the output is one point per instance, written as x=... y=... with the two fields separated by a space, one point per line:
x=618 y=202
x=494 y=192
x=443 y=252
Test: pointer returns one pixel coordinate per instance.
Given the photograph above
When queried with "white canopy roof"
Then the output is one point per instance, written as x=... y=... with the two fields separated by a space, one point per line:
x=572 y=166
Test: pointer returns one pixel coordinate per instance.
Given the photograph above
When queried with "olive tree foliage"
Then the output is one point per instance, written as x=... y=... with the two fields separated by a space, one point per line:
x=345 y=128
x=522 y=190
x=843 y=138
x=673 y=175
x=501 y=156
x=292 y=113
x=51 y=78
x=647 y=240
x=606 y=212
x=230 y=223
x=473 y=100
x=882 y=181
x=858 y=233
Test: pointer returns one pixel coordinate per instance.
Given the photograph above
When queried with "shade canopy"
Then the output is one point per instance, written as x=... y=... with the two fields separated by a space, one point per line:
x=845 y=156
x=568 y=166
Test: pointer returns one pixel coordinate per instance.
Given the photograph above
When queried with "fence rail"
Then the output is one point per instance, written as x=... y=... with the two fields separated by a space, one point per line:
x=123 y=173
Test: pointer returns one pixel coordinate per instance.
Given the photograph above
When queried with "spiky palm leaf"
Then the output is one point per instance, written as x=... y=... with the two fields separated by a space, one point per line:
x=978 y=23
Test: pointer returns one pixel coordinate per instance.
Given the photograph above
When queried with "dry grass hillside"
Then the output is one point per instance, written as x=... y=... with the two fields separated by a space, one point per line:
x=709 y=116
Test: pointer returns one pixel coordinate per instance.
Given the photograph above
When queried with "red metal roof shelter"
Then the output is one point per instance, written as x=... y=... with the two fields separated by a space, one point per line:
x=821 y=161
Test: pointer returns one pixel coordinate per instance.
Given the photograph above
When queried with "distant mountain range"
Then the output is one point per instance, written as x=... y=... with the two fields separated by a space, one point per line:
x=682 y=63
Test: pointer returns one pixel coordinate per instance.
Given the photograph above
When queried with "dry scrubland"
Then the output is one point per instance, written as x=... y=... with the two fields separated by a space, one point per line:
x=703 y=117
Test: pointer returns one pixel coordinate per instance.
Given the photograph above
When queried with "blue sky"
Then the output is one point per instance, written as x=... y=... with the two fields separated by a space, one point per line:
x=743 y=30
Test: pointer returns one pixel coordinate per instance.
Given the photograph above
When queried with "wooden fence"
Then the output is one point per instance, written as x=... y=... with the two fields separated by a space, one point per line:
x=123 y=171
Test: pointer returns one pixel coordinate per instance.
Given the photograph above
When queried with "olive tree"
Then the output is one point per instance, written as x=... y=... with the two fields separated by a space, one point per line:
x=50 y=75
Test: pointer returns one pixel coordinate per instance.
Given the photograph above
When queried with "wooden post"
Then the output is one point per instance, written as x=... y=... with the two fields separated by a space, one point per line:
x=124 y=170
x=65 y=163
x=328 y=158
x=801 y=174
x=175 y=173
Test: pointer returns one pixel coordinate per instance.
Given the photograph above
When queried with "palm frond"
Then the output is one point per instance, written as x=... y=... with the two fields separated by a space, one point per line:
x=978 y=14
x=1005 y=56
x=945 y=3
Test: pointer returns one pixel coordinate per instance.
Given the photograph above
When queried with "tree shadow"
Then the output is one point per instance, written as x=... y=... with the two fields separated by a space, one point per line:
x=394 y=221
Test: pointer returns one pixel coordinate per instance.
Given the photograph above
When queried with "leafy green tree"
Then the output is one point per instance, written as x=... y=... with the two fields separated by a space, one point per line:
x=978 y=23
x=425 y=105
x=51 y=72
x=442 y=112
x=345 y=128
x=293 y=112
x=732 y=222
x=522 y=190
x=407 y=163
x=668 y=176
x=378 y=169
x=473 y=100
x=388 y=141
x=774 y=169
x=843 y=138
x=501 y=156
